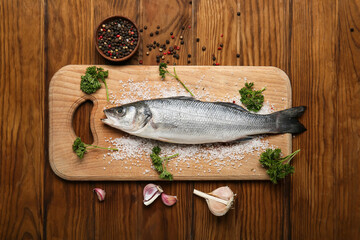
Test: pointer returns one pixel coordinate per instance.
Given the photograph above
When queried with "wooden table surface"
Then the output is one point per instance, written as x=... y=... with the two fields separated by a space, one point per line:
x=317 y=43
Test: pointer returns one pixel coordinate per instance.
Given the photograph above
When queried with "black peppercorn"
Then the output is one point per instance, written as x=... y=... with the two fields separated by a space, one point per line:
x=237 y=55
x=203 y=48
x=157 y=32
x=167 y=42
x=189 y=55
x=158 y=27
x=221 y=45
x=238 y=13
x=151 y=34
x=197 y=39
x=213 y=58
x=182 y=42
x=145 y=27
x=171 y=33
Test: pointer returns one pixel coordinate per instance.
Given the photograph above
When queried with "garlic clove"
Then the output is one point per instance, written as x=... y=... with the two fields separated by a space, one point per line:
x=219 y=201
x=100 y=193
x=168 y=200
x=151 y=192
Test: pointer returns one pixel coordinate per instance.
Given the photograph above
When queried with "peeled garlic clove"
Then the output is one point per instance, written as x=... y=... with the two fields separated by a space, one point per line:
x=219 y=201
x=151 y=192
x=168 y=200
x=100 y=193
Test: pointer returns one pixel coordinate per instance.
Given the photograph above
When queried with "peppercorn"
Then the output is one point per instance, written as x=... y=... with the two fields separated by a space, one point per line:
x=172 y=36
x=147 y=53
x=181 y=37
x=188 y=61
x=238 y=13
x=171 y=33
x=189 y=55
x=197 y=39
x=140 y=30
x=145 y=27
x=213 y=58
x=203 y=48
x=157 y=32
x=221 y=45
x=151 y=34
x=182 y=42
x=158 y=27
x=237 y=55
x=182 y=28
x=167 y=42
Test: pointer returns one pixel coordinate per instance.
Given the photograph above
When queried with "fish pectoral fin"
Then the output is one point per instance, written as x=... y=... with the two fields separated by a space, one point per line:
x=162 y=125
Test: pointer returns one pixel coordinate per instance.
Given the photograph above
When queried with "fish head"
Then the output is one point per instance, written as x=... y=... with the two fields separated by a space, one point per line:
x=128 y=118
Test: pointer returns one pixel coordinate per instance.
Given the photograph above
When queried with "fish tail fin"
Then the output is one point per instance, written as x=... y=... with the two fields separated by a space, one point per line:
x=287 y=120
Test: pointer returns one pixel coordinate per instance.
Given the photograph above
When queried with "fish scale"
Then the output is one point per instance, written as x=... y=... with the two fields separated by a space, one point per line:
x=188 y=121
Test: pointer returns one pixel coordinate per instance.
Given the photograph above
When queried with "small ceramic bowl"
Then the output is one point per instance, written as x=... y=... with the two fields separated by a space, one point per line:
x=124 y=38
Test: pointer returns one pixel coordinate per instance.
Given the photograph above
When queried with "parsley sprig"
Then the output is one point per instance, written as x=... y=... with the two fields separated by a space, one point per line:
x=90 y=82
x=80 y=148
x=277 y=168
x=252 y=99
x=163 y=71
x=160 y=163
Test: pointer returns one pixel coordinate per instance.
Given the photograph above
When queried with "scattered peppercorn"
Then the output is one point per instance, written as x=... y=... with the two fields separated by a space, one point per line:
x=157 y=32
x=219 y=48
x=141 y=30
x=182 y=28
x=237 y=55
x=181 y=37
x=188 y=61
x=221 y=45
x=151 y=34
x=158 y=27
x=172 y=36
x=171 y=33
x=189 y=55
x=190 y=2
x=351 y=29
x=221 y=35
x=203 y=48
x=197 y=39
x=167 y=42
x=182 y=42
x=140 y=61
x=238 y=13
x=213 y=58
x=145 y=27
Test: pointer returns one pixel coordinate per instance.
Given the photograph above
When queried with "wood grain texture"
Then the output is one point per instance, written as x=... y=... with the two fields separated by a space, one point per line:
x=21 y=119
x=313 y=71
x=346 y=189
x=158 y=221
x=315 y=42
x=69 y=38
x=264 y=38
x=118 y=218
x=65 y=97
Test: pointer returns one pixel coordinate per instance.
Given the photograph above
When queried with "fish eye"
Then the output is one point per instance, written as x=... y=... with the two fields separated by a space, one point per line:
x=121 y=111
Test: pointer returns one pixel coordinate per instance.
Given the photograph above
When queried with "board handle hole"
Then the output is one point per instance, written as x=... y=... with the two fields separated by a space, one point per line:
x=81 y=122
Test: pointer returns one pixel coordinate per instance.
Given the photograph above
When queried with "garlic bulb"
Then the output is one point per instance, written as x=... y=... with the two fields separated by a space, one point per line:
x=219 y=201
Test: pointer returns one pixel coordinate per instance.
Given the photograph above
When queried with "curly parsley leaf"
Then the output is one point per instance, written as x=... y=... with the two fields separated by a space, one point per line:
x=277 y=168
x=90 y=82
x=163 y=71
x=252 y=99
x=159 y=163
x=80 y=148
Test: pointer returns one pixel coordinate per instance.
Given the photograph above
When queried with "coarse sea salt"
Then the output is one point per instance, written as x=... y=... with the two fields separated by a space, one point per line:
x=133 y=149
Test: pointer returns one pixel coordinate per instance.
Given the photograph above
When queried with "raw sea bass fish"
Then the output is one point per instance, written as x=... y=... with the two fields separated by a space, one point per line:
x=186 y=120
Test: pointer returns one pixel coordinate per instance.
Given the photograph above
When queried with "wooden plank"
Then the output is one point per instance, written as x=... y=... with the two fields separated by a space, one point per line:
x=215 y=23
x=65 y=96
x=21 y=119
x=117 y=216
x=158 y=221
x=313 y=71
x=264 y=40
x=69 y=40
x=347 y=166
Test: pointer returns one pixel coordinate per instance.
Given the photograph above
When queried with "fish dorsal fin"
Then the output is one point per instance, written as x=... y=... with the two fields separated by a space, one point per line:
x=182 y=98
x=232 y=105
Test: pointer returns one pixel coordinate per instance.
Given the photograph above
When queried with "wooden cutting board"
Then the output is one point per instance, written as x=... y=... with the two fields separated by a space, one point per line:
x=130 y=83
